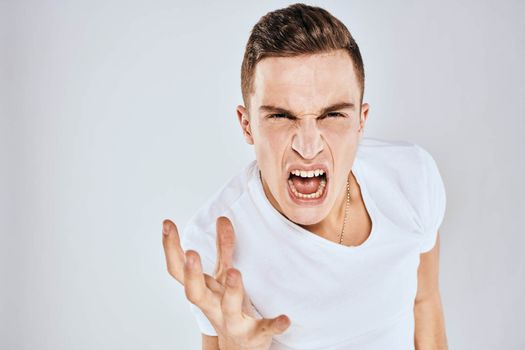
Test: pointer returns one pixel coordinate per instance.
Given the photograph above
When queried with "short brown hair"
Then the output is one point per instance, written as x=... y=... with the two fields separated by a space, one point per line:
x=295 y=30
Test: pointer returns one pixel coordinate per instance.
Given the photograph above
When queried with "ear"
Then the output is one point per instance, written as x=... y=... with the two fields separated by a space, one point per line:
x=244 y=122
x=363 y=117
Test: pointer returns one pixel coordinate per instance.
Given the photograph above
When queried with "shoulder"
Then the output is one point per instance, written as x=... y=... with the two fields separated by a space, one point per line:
x=406 y=173
x=397 y=156
x=223 y=199
x=396 y=160
x=199 y=231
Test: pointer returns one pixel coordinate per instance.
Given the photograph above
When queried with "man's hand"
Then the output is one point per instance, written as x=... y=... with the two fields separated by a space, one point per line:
x=221 y=298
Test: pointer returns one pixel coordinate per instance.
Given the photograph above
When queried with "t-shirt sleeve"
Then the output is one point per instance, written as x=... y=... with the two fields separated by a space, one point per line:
x=434 y=200
x=204 y=324
x=198 y=240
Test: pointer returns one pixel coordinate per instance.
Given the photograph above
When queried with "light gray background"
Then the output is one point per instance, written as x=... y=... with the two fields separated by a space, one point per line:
x=118 y=114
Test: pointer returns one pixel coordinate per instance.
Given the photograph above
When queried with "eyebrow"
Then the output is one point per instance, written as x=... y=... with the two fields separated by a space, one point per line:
x=331 y=108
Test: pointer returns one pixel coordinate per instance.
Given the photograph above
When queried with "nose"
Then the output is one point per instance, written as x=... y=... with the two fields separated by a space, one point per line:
x=307 y=141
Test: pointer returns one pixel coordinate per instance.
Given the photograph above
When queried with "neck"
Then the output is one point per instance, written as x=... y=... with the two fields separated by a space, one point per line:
x=330 y=227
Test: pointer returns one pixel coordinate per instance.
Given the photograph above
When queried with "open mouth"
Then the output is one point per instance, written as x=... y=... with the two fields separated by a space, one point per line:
x=307 y=185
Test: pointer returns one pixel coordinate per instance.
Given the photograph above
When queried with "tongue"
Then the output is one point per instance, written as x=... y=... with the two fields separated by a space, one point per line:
x=306 y=185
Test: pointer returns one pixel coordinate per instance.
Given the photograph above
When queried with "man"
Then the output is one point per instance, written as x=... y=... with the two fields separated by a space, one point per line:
x=336 y=235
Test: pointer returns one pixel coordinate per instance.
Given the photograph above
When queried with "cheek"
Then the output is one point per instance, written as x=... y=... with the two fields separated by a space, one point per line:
x=270 y=148
x=342 y=144
x=339 y=127
x=339 y=135
x=274 y=140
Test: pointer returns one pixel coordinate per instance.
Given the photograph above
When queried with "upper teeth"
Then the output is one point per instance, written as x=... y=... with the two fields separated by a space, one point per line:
x=310 y=173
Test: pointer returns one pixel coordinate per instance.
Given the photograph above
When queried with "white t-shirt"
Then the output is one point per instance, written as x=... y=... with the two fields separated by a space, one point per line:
x=337 y=297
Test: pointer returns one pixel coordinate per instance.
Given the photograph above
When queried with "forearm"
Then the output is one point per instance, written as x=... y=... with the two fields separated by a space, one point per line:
x=210 y=342
x=430 y=325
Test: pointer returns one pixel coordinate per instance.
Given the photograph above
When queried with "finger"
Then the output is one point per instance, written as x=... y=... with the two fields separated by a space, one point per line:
x=232 y=300
x=172 y=250
x=213 y=285
x=274 y=326
x=249 y=309
x=225 y=244
x=194 y=282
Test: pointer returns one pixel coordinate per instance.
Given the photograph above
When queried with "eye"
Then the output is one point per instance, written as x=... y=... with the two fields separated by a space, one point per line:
x=335 y=114
x=279 y=116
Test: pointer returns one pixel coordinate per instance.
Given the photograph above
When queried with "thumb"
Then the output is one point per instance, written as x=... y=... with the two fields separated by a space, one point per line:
x=275 y=325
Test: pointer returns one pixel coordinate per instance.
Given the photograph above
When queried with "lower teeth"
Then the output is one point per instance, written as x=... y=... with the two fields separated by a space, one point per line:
x=316 y=194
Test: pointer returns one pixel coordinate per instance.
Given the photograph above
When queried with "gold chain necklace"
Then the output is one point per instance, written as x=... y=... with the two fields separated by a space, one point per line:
x=340 y=240
x=346 y=210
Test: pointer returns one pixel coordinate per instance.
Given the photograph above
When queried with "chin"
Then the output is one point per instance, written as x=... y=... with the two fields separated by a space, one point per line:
x=305 y=216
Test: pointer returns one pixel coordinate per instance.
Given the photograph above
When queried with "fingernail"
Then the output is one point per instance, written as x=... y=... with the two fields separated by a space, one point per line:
x=190 y=260
x=165 y=228
x=230 y=279
x=282 y=322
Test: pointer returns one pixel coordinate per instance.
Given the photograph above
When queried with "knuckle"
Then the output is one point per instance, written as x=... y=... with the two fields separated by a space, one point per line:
x=193 y=297
x=234 y=279
x=192 y=253
x=232 y=272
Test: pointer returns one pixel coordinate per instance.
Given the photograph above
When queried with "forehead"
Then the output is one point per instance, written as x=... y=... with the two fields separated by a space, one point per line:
x=305 y=83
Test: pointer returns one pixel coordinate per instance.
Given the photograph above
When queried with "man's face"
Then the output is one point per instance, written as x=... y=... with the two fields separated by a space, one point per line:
x=292 y=130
